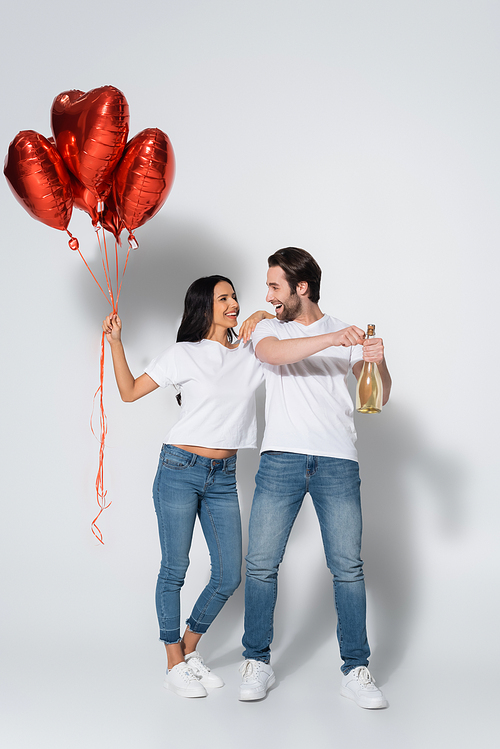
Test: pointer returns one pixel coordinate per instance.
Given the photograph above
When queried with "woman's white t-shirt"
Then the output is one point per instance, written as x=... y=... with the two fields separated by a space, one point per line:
x=218 y=387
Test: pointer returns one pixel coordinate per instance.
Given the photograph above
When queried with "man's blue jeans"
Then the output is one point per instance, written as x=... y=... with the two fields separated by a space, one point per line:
x=282 y=481
x=187 y=485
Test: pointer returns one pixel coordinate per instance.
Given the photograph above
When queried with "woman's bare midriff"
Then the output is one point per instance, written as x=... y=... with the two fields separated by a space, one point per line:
x=207 y=452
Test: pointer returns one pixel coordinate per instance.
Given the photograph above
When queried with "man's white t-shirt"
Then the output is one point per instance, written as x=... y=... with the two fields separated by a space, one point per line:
x=308 y=406
x=218 y=387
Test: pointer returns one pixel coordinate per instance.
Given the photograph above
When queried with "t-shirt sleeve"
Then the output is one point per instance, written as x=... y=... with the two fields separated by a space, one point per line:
x=163 y=369
x=264 y=329
x=356 y=355
x=250 y=348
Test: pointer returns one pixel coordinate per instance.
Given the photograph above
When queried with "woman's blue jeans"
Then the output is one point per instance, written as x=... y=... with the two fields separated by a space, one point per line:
x=186 y=486
x=282 y=481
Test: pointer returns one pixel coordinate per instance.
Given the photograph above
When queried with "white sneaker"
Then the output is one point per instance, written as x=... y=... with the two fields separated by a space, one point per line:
x=258 y=677
x=202 y=672
x=182 y=680
x=358 y=685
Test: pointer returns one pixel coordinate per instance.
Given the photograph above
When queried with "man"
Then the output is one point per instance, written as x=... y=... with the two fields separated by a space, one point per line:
x=308 y=446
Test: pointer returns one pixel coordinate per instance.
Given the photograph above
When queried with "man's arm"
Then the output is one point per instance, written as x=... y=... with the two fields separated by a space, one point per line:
x=373 y=351
x=271 y=350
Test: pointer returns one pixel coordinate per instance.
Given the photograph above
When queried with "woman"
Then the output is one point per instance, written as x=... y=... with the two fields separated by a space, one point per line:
x=217 y=378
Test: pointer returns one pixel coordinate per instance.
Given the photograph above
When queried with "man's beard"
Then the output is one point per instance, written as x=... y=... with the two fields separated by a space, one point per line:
x=292 y=309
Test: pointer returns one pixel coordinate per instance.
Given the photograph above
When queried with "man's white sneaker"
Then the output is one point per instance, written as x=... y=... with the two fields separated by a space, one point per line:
x=202 y=672
x=358 y=685
x=183 y=681
x=257 y=678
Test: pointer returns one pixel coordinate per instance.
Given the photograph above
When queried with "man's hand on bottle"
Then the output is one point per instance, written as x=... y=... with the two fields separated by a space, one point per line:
x=373 y=350
x=350 y=336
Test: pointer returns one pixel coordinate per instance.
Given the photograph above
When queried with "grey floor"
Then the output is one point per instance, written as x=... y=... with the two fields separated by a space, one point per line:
x=70 y=695
x=81 y=666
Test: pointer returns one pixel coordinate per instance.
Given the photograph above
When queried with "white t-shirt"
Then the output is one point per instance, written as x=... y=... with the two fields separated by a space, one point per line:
x=218 y=387
x=308 y=406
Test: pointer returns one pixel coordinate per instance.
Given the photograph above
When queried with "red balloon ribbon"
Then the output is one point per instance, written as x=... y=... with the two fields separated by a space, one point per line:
x=112 y=297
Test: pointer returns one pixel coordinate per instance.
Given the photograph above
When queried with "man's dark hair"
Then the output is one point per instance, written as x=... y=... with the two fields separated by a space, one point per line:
x=298 y=265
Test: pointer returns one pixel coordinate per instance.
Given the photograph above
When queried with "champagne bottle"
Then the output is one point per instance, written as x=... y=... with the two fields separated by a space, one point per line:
x=369 y=389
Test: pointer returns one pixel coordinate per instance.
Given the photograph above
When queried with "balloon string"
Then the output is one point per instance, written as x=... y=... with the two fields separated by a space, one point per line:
x=105 y=266
x=103 y=429
x=101 y=492
x=107 y=272
x=95 y=279
x=123 y=274
x=116 y=266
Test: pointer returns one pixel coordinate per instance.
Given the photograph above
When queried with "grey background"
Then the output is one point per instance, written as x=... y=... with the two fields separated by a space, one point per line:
x=366 y=132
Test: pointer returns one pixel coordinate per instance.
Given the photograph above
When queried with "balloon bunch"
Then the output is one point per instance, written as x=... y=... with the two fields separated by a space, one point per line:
x=89 y=164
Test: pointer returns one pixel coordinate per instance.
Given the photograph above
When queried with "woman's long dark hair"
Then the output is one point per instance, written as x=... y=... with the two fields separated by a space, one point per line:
x=199 y=310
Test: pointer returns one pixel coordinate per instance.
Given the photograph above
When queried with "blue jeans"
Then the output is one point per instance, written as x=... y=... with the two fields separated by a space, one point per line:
x=281 y=484
x=186 y=486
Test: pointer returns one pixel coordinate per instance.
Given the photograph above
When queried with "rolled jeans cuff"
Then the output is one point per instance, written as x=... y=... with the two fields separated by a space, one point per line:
x=170 y=637
x=195 y=627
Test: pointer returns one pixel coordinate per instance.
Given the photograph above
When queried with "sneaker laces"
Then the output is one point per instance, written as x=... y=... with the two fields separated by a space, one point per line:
x=188 y=674
x=249 y=670
x=364 y=676
x=197 y=665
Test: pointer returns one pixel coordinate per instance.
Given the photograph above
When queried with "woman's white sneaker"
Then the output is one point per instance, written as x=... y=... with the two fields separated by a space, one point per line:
x=202 y=672
x=358 y=685
x=183 y=681
x=257 y=678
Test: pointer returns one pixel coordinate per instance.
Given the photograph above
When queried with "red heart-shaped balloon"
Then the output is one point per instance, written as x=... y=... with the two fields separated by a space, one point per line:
x=91 y=131
x=144 y=177
x=38 y=178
